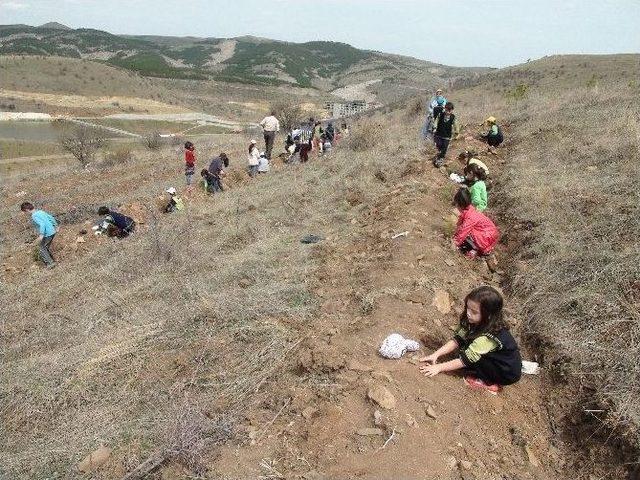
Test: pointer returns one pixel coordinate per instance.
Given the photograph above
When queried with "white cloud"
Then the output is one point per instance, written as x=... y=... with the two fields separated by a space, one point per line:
x=12 y=5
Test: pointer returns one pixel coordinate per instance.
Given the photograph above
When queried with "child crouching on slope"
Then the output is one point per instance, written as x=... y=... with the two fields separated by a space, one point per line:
x=475 y=235
x=488 y=353
x=475 y=177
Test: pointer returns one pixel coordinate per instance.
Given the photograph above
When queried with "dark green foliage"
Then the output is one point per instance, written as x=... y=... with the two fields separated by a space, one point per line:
x=153 y=65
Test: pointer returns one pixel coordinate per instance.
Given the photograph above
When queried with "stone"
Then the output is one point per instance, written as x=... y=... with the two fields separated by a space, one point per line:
x=378 y=419
x=411 y=421
x=309 y=412
x=80 y=240
x=442 y=301
x=465 y=464
x=95 y=459
x=382 y=396
x=431 y=413
x=533 y=460
x=452 y=462
x=450 y=262
x=370 y=432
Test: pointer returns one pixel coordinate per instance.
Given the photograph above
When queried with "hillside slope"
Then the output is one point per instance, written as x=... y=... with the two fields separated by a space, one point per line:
x=214 y=339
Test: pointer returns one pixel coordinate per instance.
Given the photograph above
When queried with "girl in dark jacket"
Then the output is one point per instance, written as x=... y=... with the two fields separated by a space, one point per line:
x=487 y=351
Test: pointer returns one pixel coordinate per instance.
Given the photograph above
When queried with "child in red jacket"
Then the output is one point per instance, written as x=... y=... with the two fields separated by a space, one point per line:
x=189 y=164
x=475 y=233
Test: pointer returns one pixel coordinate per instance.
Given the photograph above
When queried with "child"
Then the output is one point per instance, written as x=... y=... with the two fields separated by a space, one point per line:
x=494 y=134
x=208 y=181
x=317 y=133
x=118 y=225
x=47 y=227
x=475 y=233
x=326 y=144
x=216 y=172
x=468 y=157
x=487 y=350
x=254 y=156
x=175 y=202
x=445 y=126
x=189 y=163
x=475 y=177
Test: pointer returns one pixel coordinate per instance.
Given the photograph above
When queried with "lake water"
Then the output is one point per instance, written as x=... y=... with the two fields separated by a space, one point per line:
x=40 y=132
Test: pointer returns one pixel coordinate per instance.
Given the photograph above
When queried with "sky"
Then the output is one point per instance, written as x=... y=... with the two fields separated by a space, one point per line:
x=492 y=33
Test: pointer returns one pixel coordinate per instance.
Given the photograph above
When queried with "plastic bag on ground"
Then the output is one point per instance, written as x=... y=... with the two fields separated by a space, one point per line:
x=395 y=345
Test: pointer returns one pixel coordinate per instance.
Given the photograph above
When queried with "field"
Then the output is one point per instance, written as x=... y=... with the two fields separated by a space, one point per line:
x=215 y=344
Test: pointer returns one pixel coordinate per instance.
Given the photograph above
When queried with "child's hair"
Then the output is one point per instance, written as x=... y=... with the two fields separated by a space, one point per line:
x=188 y=145
x=225 y=159
x=204 y=172
x=462 y=199
x=476 y=170
x=26 y=206
x=491 y=318
x=448 y=106
x=103 y=211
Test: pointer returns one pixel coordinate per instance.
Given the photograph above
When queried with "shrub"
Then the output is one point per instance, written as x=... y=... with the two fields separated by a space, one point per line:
x=289 y=115
x=82 y=143
x=117 y=157
x=153 y=140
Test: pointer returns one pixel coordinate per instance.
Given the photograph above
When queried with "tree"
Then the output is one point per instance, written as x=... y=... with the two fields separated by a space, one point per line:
x=82 y=143
x=288 y=114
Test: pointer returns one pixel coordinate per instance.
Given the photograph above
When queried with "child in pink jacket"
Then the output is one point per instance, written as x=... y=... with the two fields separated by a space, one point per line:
x=475 y=233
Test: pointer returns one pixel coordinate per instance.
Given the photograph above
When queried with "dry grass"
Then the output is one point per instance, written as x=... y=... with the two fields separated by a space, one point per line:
x=366 y=137
x=571 y=190
x=197 y=310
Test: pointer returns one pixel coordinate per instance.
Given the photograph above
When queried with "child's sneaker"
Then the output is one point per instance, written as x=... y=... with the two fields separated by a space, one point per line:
x=471 y=254
x=477 y=384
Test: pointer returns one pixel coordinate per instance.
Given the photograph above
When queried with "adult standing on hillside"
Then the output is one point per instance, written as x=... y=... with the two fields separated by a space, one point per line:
x=47 y=227
x=270 y=126
x=434 y=108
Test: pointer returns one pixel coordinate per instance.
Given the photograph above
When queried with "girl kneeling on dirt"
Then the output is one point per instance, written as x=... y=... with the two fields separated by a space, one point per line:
x=488 y=354
x=475 y=235
x=475 y=177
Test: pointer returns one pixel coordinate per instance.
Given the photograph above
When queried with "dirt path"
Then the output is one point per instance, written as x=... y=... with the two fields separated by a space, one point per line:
x=372 y=286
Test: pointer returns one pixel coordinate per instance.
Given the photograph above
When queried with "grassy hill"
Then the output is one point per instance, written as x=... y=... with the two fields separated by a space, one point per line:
x=214 y=339
x=250 y=60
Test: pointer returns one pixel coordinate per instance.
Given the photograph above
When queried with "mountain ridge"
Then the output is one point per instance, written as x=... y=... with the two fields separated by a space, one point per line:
x=323 y=65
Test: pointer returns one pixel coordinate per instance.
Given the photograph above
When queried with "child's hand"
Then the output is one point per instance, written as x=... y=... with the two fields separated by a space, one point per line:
x=433 y=358
x=430 y=370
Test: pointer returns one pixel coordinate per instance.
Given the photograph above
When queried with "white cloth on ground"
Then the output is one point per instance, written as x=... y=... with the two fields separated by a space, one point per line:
x=395 y=345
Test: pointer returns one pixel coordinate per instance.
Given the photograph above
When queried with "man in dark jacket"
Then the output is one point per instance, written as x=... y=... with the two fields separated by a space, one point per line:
x=118 y=225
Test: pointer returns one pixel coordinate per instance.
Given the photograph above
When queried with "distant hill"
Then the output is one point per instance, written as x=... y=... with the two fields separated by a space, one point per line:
x=323 y=65
x=55 y=25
